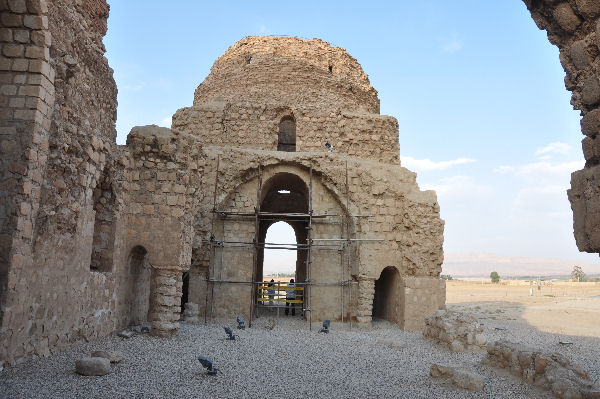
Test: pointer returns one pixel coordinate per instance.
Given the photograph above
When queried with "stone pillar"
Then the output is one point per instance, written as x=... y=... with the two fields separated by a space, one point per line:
x=366 y=292
x=166 y=301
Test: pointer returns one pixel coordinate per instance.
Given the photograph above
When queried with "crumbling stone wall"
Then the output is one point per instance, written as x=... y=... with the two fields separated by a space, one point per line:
x=52 y=118
x=551 y=371
x=574 y=27
x=70 y=198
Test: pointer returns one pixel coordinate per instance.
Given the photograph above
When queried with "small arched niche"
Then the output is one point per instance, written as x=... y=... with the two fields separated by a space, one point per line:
x=286 y=139
x=140 y=283
x=387 y=298
x=103 y=239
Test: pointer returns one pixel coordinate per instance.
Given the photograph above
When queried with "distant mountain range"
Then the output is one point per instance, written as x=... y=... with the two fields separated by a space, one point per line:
x=471 y=264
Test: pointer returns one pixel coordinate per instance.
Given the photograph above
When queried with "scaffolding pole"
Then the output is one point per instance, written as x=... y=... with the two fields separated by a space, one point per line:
x=256 y=232
x=309 y=252
x=211 y=254
x=348 y=245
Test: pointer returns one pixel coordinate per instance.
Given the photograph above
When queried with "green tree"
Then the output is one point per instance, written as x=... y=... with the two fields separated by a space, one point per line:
x=577 y=274
x=446 y=277
x=495 y=277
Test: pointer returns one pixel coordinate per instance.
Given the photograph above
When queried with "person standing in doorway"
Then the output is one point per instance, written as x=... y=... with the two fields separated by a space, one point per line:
x=271 y=291
x=290 y=294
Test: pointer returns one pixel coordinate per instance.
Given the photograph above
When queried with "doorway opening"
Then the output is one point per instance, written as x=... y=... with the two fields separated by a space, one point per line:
x=285 y=199
x=387 y=301
x=140 y=286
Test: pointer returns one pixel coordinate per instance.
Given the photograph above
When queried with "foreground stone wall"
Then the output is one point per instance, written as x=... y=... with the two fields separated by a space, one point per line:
x=74 y=206
x=61 y=128
x=574 y=27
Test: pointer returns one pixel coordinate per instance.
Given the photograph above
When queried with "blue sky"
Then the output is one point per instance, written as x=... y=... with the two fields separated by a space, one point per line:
x=477 y=90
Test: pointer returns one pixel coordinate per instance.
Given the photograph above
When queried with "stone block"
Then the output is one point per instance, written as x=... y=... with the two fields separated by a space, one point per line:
x=37 y=52
x=590 y=9
x=36 y=21
x=92 y=366
x=565 y=17
x=21 y=35
x=13 y=50
x=17 y=6
x=590 y=93
x=591 y=149
x=590 y=123
x=37 y=6
x=468 y=380
x=579 y=55
x=10 y=20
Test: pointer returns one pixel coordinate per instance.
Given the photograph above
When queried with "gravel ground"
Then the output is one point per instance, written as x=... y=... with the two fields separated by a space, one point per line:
x=288 y=361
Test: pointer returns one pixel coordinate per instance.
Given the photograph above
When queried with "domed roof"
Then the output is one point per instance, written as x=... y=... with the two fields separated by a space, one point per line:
x=288 y=71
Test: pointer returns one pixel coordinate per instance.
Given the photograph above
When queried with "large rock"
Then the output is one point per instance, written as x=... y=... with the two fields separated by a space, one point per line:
x=92 y=366
x=468 y=380
x=456 y=330
x=461 y=378
x=439 y=370
x=551 y=371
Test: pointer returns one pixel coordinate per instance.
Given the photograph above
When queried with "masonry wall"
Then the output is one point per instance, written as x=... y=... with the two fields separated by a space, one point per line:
x=406 y=219
x=61 y=130
x=74 y=205
x=255 y=126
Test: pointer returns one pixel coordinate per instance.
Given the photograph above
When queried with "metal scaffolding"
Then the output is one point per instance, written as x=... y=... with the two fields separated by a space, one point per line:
x=342 y=245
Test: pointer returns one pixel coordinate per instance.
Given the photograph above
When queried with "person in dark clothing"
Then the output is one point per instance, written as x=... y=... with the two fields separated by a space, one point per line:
x=290 y=295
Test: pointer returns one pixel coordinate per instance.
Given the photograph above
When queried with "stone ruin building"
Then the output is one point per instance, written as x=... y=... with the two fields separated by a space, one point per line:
x=95 y=236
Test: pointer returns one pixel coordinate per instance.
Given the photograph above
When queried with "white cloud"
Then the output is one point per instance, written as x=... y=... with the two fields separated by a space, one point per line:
x=546 y=169
x=166 y=122
x=504 y=169
x=452 y=46
x=553 y=148
x=459 y=185
x=428 y=164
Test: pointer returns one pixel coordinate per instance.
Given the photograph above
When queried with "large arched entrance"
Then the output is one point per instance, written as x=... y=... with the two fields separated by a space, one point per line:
x=387 y=301
x=284 y=199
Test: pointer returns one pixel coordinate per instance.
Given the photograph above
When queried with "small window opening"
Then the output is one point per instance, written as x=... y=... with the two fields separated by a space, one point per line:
x=330 y=69
x=283 y=191
x=287 y=135
x=250 y=60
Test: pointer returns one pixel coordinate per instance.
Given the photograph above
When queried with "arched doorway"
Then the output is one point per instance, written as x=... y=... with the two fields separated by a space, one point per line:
x=387 y=301
x=284 y=194
x=140 y=282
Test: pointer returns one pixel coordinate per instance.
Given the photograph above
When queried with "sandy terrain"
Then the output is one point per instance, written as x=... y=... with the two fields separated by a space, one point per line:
x=558 y=308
